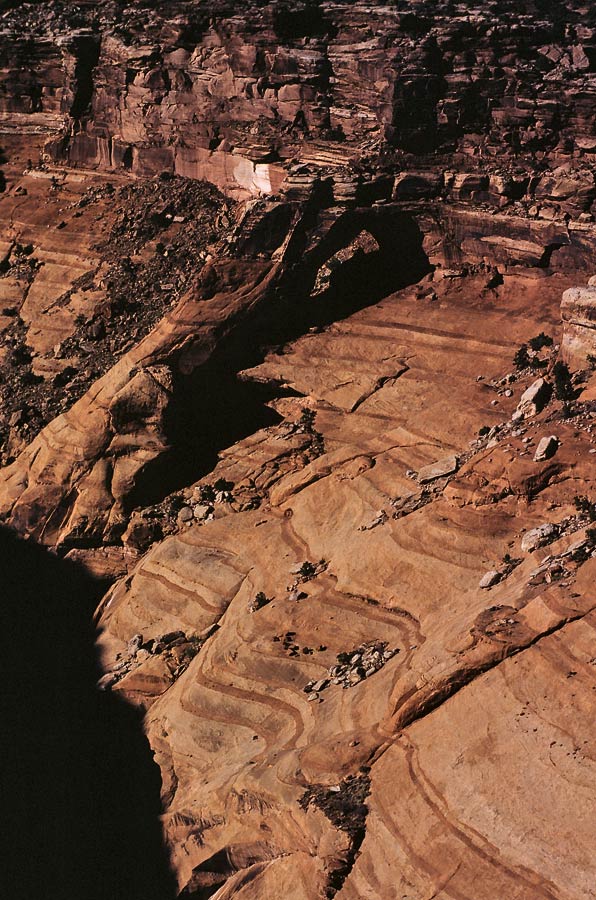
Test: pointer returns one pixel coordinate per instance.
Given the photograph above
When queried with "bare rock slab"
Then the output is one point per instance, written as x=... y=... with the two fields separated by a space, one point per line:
x=547 y=447
x=439 y=469
x=539 y=536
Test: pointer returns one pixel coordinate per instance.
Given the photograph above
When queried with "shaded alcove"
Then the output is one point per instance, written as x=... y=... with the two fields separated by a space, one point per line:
x=81 y=792
x=86 y=50
x=3 y=159
x=212 y=408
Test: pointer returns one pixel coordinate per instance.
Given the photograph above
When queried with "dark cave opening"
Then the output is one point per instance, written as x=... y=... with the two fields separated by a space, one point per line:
x=87 y=53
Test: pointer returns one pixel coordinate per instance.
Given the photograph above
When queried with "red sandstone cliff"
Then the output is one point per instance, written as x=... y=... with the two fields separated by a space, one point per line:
x=325 y=422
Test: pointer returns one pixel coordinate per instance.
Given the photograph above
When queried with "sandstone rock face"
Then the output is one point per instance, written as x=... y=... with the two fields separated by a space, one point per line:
x=281 y=335
x=232 y=92
x=578 y=311
x=260 y=697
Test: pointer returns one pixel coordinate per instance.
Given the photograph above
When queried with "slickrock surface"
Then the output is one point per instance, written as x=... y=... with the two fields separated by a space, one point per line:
x=297 y=351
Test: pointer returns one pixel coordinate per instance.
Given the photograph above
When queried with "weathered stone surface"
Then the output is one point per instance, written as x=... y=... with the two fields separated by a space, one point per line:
x=536 y=537
x=446 y=466
x=283 y=423
x=578 y=311
x=547 y=447
x=232 y=92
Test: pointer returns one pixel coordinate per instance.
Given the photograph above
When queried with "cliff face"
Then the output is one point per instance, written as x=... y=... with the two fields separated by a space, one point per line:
x=297 y=351
x=234 y=91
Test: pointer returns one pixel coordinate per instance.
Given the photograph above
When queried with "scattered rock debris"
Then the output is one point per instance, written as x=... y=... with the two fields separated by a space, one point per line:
x=345 y=807
x=306 y=425
x=147 y=261
x=379 y=519
x=555 y=568
x=178 y=510
x=495 y=622
x=259 y=601
x=549 y=531
x=177 y=648
x=354 y=667
x=342 y=803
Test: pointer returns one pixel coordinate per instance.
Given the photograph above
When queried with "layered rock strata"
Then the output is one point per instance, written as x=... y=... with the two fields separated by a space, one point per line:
x=324 y=423
x=234 y=93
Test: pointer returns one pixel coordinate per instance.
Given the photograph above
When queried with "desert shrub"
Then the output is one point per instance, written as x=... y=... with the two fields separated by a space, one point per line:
x=521 y=360
x=563 y=385
x=585 y=506
x=541 y=340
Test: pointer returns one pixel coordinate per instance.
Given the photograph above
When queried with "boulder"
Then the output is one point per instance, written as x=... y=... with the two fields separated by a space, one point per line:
x=465 y=185
x=539 y=536
x=490 y=578
x=547 y=447
x=533 y=399
x=446 y=466
x=413 y=186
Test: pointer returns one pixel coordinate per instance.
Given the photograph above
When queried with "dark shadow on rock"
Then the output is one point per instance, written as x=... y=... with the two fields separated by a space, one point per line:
x=212 y=408
x=80 y=792
x=3 y=159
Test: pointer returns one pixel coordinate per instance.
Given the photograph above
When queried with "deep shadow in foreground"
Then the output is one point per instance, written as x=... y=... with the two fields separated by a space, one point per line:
x=80 y=793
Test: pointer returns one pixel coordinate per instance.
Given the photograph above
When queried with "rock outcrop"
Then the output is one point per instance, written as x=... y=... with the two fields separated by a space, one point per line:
x=284 y=362
x=234 y=93
x=578 y=310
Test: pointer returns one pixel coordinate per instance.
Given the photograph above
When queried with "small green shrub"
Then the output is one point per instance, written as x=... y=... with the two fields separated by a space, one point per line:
x=585 y=506
x=307 y=420
x=541 y=340
x=563 y=385
x=260 y=600
x=207 y=493
x=521 y=360
x=222 y=484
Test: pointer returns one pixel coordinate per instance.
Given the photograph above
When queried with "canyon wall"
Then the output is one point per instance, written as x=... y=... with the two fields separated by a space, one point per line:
x=298 y=358
x=238 y=92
